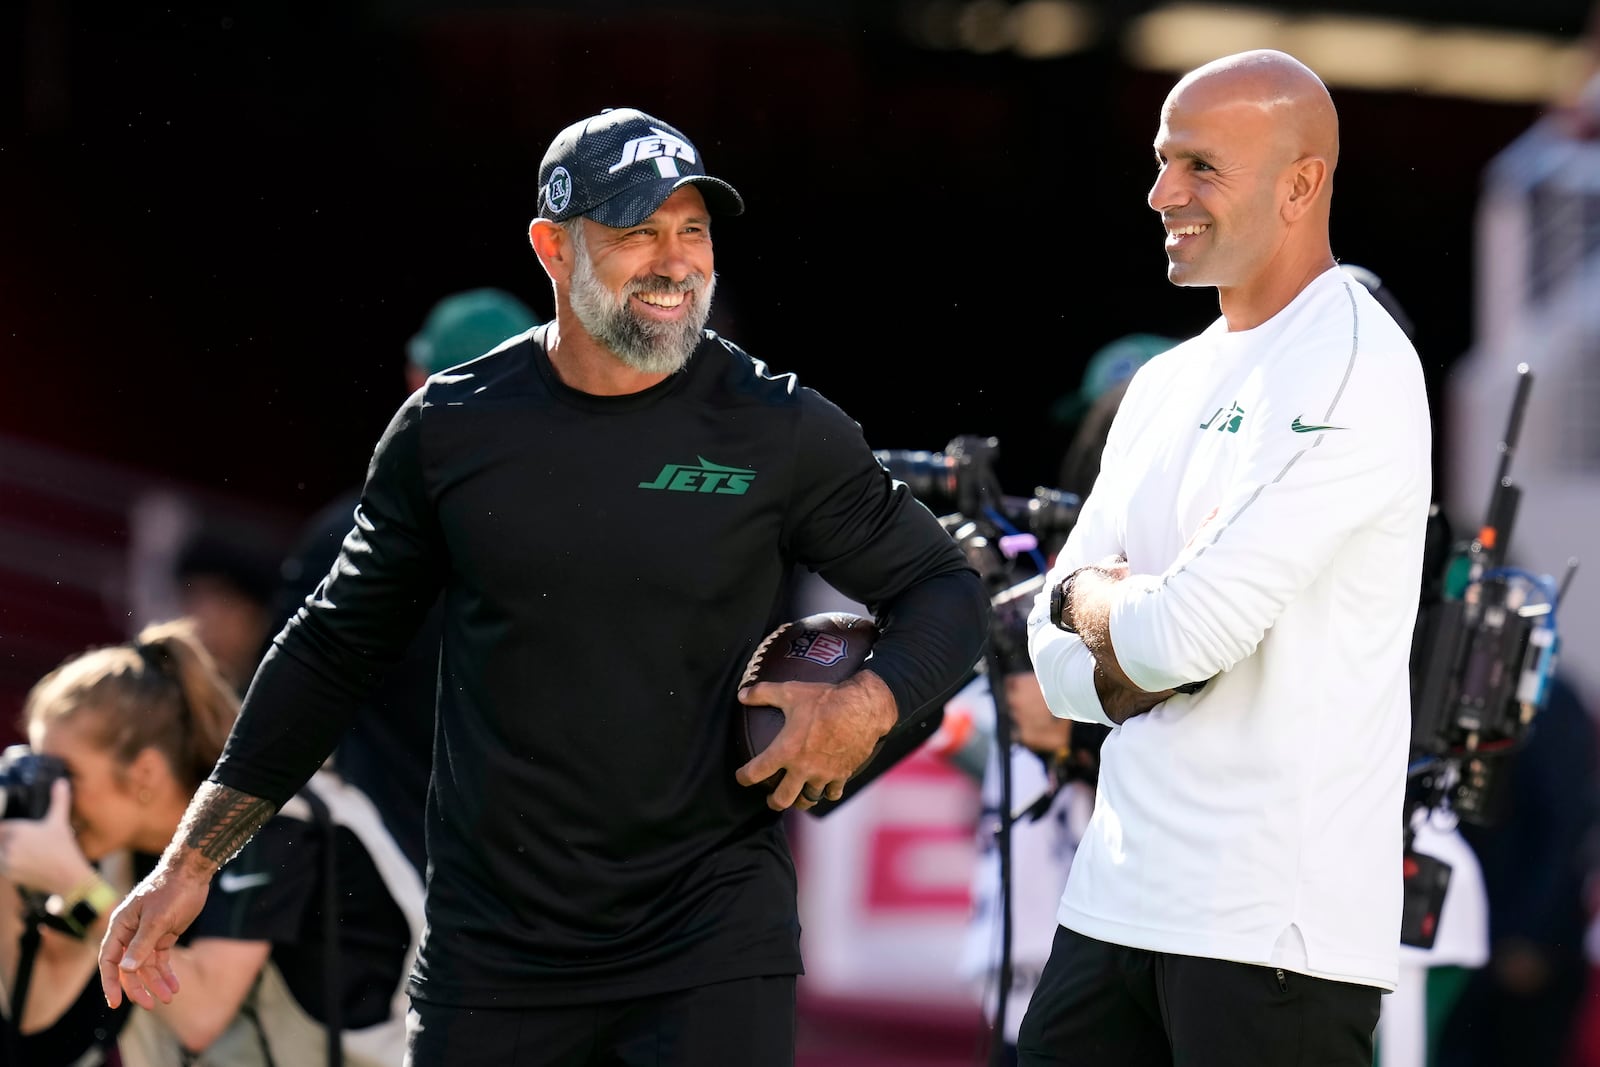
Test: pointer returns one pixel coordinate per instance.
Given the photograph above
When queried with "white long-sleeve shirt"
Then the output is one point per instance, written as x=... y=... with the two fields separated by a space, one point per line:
x=1270 y=490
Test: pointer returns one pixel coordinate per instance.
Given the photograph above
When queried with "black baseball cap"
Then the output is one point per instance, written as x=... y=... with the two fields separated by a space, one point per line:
x=618 y=166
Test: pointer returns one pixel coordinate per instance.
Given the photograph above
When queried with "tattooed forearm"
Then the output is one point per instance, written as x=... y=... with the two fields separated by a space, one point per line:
x=220 y=820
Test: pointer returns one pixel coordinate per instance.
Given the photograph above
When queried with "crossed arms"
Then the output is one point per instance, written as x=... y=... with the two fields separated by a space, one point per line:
x=1090 y=609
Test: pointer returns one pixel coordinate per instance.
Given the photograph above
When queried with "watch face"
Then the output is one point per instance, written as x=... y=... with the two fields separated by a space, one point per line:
x=84 y=914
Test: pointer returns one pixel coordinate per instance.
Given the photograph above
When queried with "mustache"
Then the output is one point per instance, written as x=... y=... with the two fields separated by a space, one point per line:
x=655 y=283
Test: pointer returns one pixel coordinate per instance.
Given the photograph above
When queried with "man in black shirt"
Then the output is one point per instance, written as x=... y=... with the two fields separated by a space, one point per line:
x=611 y=506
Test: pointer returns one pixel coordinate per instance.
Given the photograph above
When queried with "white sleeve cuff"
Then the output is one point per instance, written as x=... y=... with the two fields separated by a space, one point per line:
x=1065 y=670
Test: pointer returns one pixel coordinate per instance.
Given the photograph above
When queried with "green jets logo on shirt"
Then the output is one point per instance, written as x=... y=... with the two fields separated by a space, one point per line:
x=1299 y=427
x=1228 y=419
x=708 y=477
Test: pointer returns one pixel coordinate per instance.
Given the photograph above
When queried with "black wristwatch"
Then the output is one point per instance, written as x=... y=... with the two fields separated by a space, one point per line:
x=1061 y=602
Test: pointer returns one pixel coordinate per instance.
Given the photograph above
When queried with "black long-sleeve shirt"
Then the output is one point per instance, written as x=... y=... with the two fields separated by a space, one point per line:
x=608 y=565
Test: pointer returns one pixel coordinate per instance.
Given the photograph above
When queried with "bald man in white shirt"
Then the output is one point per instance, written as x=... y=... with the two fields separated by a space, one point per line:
x=1237 y=601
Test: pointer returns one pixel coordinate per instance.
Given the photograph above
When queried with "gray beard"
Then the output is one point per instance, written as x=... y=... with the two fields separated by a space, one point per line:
x=648 y=347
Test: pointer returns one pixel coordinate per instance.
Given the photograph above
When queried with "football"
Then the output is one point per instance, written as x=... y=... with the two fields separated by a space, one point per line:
x=826 y=647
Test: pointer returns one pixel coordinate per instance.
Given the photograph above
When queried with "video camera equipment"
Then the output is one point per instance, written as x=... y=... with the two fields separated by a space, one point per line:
x=997 y=532
x=25 y=780
x=1009 y=540
x=1484 y=653
x=1484 y=650
x=994 y=531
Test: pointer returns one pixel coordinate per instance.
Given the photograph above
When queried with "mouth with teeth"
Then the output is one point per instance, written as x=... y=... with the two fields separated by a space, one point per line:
x=665 y=303
x=1180 y=234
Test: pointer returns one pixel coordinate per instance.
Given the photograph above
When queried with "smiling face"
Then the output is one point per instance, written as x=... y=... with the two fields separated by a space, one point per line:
x=1246 y=150
x=1221 y=179
x=644 y=292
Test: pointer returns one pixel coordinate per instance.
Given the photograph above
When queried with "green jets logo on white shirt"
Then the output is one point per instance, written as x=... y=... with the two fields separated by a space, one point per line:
x=1227 y=419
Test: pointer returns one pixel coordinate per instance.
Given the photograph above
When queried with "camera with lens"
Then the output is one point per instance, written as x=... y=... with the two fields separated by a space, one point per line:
x=959 y=484
x=25 y=780
x=1008 y=539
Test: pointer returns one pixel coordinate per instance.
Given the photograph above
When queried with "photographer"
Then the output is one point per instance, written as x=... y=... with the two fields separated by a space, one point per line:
x=64 y=1019
x=136 y=728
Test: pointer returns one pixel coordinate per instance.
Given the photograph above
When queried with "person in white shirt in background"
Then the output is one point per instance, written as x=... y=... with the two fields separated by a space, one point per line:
x=1409 y=1023
x=1237 y=600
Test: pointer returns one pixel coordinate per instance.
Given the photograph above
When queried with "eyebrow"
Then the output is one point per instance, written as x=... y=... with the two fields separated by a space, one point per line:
x=656 y=220
x=1199 y=154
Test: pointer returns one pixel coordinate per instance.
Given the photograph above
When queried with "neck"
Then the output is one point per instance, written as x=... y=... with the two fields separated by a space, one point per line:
x=159 y=829
x=584 y=364
x=1273 y=289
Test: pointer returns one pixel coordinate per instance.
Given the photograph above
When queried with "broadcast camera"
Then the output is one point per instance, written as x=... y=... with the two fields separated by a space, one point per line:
x=1008 y=539
x=1483 y=652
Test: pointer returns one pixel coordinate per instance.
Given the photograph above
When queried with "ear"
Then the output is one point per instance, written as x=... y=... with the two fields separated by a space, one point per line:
x=550 y=244
x=148 y=771
x=1307 y=179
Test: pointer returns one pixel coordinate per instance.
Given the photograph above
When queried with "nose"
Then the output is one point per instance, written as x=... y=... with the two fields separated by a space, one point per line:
x=1165 y=193
x=677 y=258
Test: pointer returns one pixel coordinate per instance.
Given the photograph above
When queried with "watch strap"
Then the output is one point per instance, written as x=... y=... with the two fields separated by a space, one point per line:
x=1061 y=604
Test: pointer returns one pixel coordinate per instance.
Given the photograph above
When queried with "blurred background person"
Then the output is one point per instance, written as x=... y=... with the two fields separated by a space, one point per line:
x=1523 y=1007
x=224 y=587
x=1085 y=413
x=133 y=742
x=138 y=726
x=388 y=752
x=1412 y=1017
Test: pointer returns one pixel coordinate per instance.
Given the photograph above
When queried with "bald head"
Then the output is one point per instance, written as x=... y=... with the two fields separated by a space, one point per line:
x=1247 y=146
x=1283 y=91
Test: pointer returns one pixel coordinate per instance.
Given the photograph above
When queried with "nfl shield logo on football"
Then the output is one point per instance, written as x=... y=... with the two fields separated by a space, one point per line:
x=826 y=649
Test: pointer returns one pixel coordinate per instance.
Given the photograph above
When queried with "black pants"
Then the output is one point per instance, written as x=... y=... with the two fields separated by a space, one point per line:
x=1102 y=1005
x=748 y=1021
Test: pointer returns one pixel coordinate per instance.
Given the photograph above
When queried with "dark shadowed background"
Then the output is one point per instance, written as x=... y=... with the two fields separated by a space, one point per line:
x=224 y=220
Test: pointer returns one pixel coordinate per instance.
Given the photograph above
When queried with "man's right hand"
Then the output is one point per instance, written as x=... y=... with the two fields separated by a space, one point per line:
x=1121 y=702
x=136 y=953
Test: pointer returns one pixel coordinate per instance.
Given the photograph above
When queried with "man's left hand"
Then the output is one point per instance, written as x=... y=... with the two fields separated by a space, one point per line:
x=829 y=733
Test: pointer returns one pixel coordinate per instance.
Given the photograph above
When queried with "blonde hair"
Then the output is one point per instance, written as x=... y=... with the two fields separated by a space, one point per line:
x=162 y=690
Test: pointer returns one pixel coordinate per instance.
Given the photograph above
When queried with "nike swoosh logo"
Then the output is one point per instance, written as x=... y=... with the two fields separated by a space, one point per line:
x=1299 y=427
x=230 y=882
